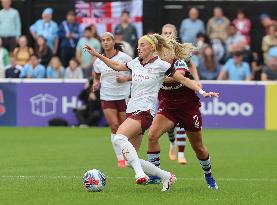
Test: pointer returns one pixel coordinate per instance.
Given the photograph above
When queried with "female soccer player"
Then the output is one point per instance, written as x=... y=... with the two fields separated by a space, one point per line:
x=179 y=104
x=148 y=72
x=170 y=31
x=115 y=88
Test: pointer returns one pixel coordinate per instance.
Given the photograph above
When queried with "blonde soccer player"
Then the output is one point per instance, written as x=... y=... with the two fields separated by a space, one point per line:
x=148 y=72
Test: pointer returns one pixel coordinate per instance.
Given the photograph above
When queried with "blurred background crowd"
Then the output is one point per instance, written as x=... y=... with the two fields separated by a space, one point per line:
x=56 y=50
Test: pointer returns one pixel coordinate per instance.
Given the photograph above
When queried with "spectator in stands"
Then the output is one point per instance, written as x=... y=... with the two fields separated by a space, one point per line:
x=10 y=25
x=217 y=27
x=43 y=51
x=13 y=70
x=95 y=33
x=235 y=69
x=33 y=69
x=234 y=37
x=270 y=69
x=4 y=59
x=126 y=47
x=47 y=28
x=55 y=68
x=267 y=22
x=247 y=53
x=22 y=53
x=83 y=57
x=209 y=67
x=90 y=114
x=128 y=29
x=191 y=26
x=269 y=41
x=69 y=34
x=257 y=66
x=73 y=71
x=243 y=24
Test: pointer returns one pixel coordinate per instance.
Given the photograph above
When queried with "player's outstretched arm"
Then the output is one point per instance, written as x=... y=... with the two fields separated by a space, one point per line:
x=112 y=64
x=178 y=76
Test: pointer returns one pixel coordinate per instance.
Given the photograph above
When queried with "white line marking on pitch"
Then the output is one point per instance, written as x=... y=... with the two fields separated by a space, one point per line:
x=180 y=178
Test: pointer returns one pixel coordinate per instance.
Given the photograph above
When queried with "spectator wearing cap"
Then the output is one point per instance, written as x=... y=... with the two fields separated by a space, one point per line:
x=266 y=22
x=69 y=34
x=33 y=69
x=84 y=58
x=47 y=28
x=191 y=26
x=269 y=71
x=4 y=59
x=269 y=41
x=235 y=69
x=10 y=25
x=126 y=47
x=234 y=37
x=13 y=70
x=243 y=24
x=217 y=27
x=129 y=31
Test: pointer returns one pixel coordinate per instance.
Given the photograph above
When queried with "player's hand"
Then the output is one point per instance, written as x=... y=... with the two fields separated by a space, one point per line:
x=95 y=86
x=90 y=50
x=121 y=79
x=211 y=94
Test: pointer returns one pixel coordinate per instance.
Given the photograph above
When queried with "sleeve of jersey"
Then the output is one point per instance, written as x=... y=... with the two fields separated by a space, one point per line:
x=129 y=64
x=170 y=72
x=96 y=67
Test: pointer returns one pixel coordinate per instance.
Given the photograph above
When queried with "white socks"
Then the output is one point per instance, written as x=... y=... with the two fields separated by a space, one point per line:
x=129 y=154
x=151 y=169
x=117 y=149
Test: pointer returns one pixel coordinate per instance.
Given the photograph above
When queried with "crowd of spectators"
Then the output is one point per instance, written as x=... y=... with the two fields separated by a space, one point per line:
x=224 y=46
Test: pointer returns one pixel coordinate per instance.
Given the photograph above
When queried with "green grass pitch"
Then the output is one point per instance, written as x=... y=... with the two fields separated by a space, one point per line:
x=45 y=166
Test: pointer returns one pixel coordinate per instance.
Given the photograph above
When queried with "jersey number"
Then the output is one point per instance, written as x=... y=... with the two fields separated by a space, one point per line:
x=196 y=121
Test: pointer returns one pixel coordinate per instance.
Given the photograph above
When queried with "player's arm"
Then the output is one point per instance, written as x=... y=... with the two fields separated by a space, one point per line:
x=112 y=64
x=179 y=76
x=123 y=79
x=194 y=73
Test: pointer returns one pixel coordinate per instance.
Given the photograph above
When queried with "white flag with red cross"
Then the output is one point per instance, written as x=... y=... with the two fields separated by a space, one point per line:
x=106 y=15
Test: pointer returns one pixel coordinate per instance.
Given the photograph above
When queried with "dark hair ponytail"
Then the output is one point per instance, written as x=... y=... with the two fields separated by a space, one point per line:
x=118 y=46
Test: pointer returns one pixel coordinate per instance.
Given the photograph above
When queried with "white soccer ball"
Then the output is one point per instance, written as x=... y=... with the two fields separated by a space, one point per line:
x=94 y=180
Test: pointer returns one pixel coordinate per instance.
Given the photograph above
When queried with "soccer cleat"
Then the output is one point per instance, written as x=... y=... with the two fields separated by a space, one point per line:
x=167 y=183
x=121 y=163
x=154 y=180
x=211 y=182
x=182 y=160
x=172 y=153
x=142 y=180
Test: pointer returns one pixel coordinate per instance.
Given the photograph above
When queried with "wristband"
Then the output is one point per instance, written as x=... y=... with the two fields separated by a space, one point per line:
x=201 y=92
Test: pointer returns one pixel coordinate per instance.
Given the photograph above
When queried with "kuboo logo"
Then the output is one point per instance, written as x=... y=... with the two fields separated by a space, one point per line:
x=219 y=108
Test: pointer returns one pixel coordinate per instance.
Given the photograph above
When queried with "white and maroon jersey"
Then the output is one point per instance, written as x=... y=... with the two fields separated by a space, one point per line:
x=147 y=80
x=176 y=95
x=110 y=89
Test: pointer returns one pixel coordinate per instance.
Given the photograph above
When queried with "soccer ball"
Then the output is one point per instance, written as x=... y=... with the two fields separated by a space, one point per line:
x=94 y=180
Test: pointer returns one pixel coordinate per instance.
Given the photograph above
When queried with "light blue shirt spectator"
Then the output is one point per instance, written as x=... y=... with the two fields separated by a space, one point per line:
x=237 y=71
x=47 y=28
x=189 y=29
x=208 y=74
x=29 y=72
x=54 y=73
x=10 y=24
x=85 y=56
